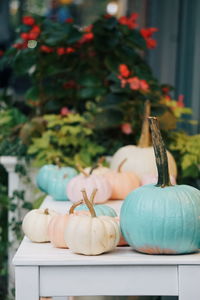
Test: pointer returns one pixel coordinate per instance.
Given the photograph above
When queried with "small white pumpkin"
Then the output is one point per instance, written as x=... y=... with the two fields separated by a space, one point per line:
x=35 y=224
x=91 y=235
x=97 y=169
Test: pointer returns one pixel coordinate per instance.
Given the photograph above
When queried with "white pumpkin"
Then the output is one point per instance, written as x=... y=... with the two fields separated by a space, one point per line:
x=97 y=169
x=91 y=235
x=141 y=161
x=141 y=158
x=35 y=224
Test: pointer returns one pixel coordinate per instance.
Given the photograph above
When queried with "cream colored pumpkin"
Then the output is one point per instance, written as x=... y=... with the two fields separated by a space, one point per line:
x=91 y=235
x=141 y=158
x=35 y=224
x=122 y=182
x=57 y=225
x=98 y=171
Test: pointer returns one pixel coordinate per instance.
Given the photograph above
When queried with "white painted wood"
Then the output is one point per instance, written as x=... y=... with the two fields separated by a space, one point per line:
x=45 y=254
x=108 y=280
x=189 y=287
x=122 y=271
x=15 y=182
x=27 y=283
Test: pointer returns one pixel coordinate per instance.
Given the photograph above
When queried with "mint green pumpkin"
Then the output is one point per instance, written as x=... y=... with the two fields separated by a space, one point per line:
x=162 y=219
x=100 y=210
x=58 y=182
x=43 y=175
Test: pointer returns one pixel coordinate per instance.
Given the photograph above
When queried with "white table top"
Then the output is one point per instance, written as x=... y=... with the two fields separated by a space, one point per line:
x=45 y=254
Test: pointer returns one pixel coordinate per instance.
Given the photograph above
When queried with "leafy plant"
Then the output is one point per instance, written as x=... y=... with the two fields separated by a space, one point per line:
x=187 y=148
x=68 y=138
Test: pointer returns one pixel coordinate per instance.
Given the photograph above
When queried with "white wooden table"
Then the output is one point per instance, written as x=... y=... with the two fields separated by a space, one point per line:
x=42 y=270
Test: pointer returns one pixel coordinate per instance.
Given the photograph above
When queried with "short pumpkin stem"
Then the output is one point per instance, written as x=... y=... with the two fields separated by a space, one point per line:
x=46 y=211
x=89 y=204
x=97 y=165
x=81 y=170
x=121 y=165
x=58 y=162
x=72 y=208
x=144 y=140
x=160 y=154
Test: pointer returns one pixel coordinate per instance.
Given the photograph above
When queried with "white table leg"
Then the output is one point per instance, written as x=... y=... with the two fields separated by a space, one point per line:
x=189 y=287
x=27 y=283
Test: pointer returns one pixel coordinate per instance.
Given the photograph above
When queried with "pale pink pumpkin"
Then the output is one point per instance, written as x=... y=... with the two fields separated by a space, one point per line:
x=89 y=182
x=57 y=225
x=122 y=182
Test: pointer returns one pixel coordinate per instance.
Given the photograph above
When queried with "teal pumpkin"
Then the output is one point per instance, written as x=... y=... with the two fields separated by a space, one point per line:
x=58 y=182
x=53 y=180
x=100 y=210
x=43 y=175
x=162 y=219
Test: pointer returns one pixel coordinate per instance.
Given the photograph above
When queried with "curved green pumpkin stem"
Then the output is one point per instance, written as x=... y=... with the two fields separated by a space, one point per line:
x=144 y=140
x=72 y=208
x=160 y=154
x=119 y=169
x=88 y=204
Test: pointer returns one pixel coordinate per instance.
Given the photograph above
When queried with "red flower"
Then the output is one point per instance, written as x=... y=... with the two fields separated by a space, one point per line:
x=130 y=22
x=71 y=84
x=124 y=71
x=144 y=85
x=87 y=37
x=69 y=20
x=180 y=101
x=107 y=16
x=36 y=29
x=46 y=49
x=134 y=83
x=1 y=53
x=20 y=46
x=70 y=50
x=88 y=28
x=28 y=20
x=65 y=111
x=165 y=90
x=24 y=36
x=147 y=33
x=34 y=32
x=61 y=51
x=151 y=43
x=126 y=128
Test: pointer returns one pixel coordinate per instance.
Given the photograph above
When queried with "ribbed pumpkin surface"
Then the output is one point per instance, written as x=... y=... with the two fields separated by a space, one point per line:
x=162 y=220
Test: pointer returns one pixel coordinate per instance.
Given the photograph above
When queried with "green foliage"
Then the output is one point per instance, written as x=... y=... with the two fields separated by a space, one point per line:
x=68 y=138
x=187 y=148
x=11 y=120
